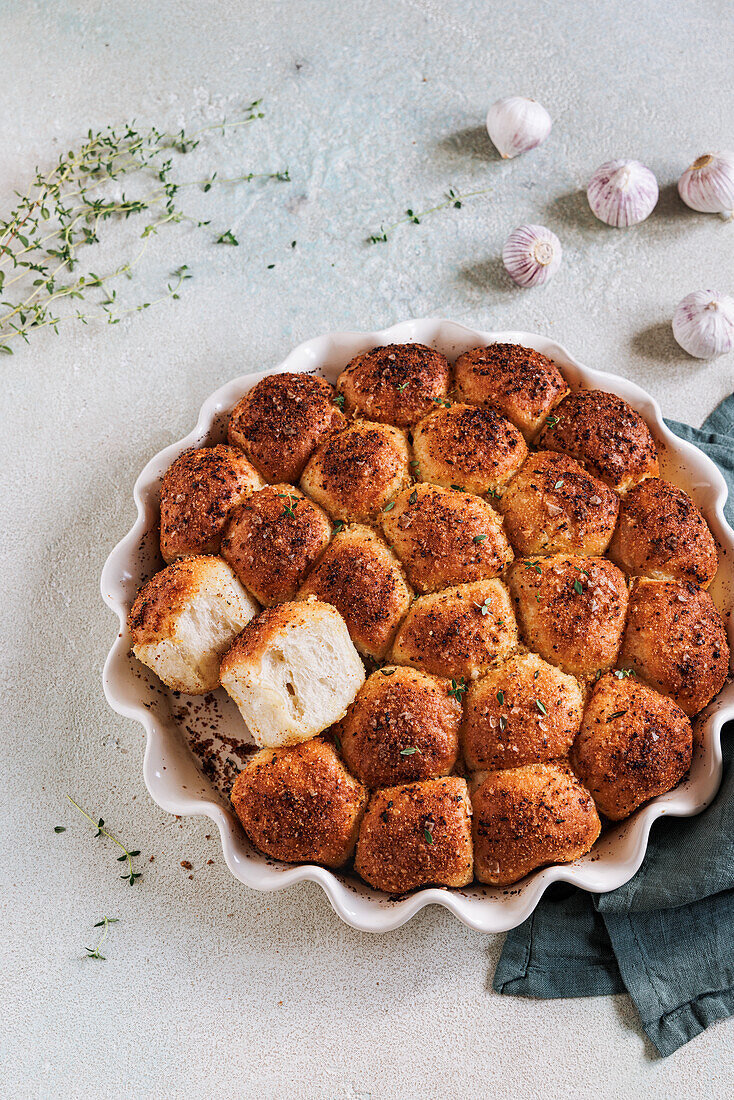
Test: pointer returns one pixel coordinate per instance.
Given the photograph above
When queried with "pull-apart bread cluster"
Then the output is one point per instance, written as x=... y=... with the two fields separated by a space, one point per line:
x=459 y=610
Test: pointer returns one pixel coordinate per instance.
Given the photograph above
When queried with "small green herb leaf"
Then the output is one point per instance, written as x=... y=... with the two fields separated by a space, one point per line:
x=227 y=237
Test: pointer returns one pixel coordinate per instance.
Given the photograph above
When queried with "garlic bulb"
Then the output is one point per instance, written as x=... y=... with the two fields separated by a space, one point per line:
x=531 y=255
x=703 y=324
x=622 y=193
x=516 y=124
x=708 y=185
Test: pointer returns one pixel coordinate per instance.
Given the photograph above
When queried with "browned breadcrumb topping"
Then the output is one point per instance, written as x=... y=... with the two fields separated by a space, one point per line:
x=363 y=580
x=300 y=804
x=417 y=835
x=272 y=541
x=396 y=384
x=519 y=382
x=402 y=726
x=571 y=610
x=460 y=631
x=282 y=420
x=470 y=446
x=634 y=744
x=527 y=817
x=661 y=534
x=445 y=537
x=522 y=712
x=198 y=493
x=675 y=640
x=356 y=472
x=554 y=505
x=605 y=433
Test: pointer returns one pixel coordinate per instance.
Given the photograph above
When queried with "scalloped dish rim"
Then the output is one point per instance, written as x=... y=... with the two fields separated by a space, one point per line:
x=619 y=853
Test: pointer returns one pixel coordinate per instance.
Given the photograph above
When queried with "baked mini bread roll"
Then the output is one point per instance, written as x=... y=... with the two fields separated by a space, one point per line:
x=571 y=610
x=634 y=744
x=519 y=382
x=527 y=817
x=605 y=433
x=300 y=804
x=402 y=726
x=198 y=494
x=361 y=577
x=281 y=421
x=358 y=471
x=662 y=535
x=522 y=712
x=468 y=447
x=554 y=506
x=445 y=537
x=417 y=835
x=395 y=384
x=272 y=541
x=459 y=632
x=676 y=641
x=185 y=617
x=292 y=672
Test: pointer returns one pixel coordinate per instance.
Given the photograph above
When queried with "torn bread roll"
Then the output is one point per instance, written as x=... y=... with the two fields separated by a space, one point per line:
x=185 y=617
x=292 y=672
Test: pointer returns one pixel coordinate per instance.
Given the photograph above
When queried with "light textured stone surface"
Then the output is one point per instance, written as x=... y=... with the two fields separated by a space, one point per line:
x=210 y=990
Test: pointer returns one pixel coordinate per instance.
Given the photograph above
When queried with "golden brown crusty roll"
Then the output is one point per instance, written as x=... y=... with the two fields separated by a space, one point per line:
x=571 y=610
x=292 y=672
x=522 y=712
x=416 y=835
x=185 y=617
x=198 y=494
x=300 y=804
x=272 y=541
x=358 y=471
x=395 y=384
x=605 y=433
x=281 y=421
x=527 y=817
x=662 y=535
x=403 y=726
x=361 y=577
x=554 y=506
x=676 y=641
x=445 y=537
x=634 y=744
x=459 y=632
x=468 y=447
x=519 y=382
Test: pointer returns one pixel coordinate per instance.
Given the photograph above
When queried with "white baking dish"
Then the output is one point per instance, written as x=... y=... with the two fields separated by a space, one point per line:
x=172 y=774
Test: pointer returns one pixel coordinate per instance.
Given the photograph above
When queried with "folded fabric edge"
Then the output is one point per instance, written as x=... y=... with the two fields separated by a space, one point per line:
x=677 y=1028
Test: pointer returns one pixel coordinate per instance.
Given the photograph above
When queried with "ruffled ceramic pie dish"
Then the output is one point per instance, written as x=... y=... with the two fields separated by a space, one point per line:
x=194 y=744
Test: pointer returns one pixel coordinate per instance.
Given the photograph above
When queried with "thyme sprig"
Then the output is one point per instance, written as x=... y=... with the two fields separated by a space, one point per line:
x=104 y=924
x=128 y=855
x=65 y=209
x=452 y=198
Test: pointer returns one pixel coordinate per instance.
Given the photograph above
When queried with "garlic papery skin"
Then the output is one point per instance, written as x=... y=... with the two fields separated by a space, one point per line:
x=703 y=324
x=622 y=193
x=516 y=124
x=708 y=185
x=531 y=255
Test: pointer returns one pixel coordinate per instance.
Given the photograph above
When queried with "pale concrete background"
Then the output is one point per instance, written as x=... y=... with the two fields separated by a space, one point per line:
x=210 y=990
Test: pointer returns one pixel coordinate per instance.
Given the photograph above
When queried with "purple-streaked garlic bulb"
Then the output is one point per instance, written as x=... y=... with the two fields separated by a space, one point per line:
x=708 y=185
x=703 y=324
x=517 y=124
x=531 y=255
x=622 y=193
